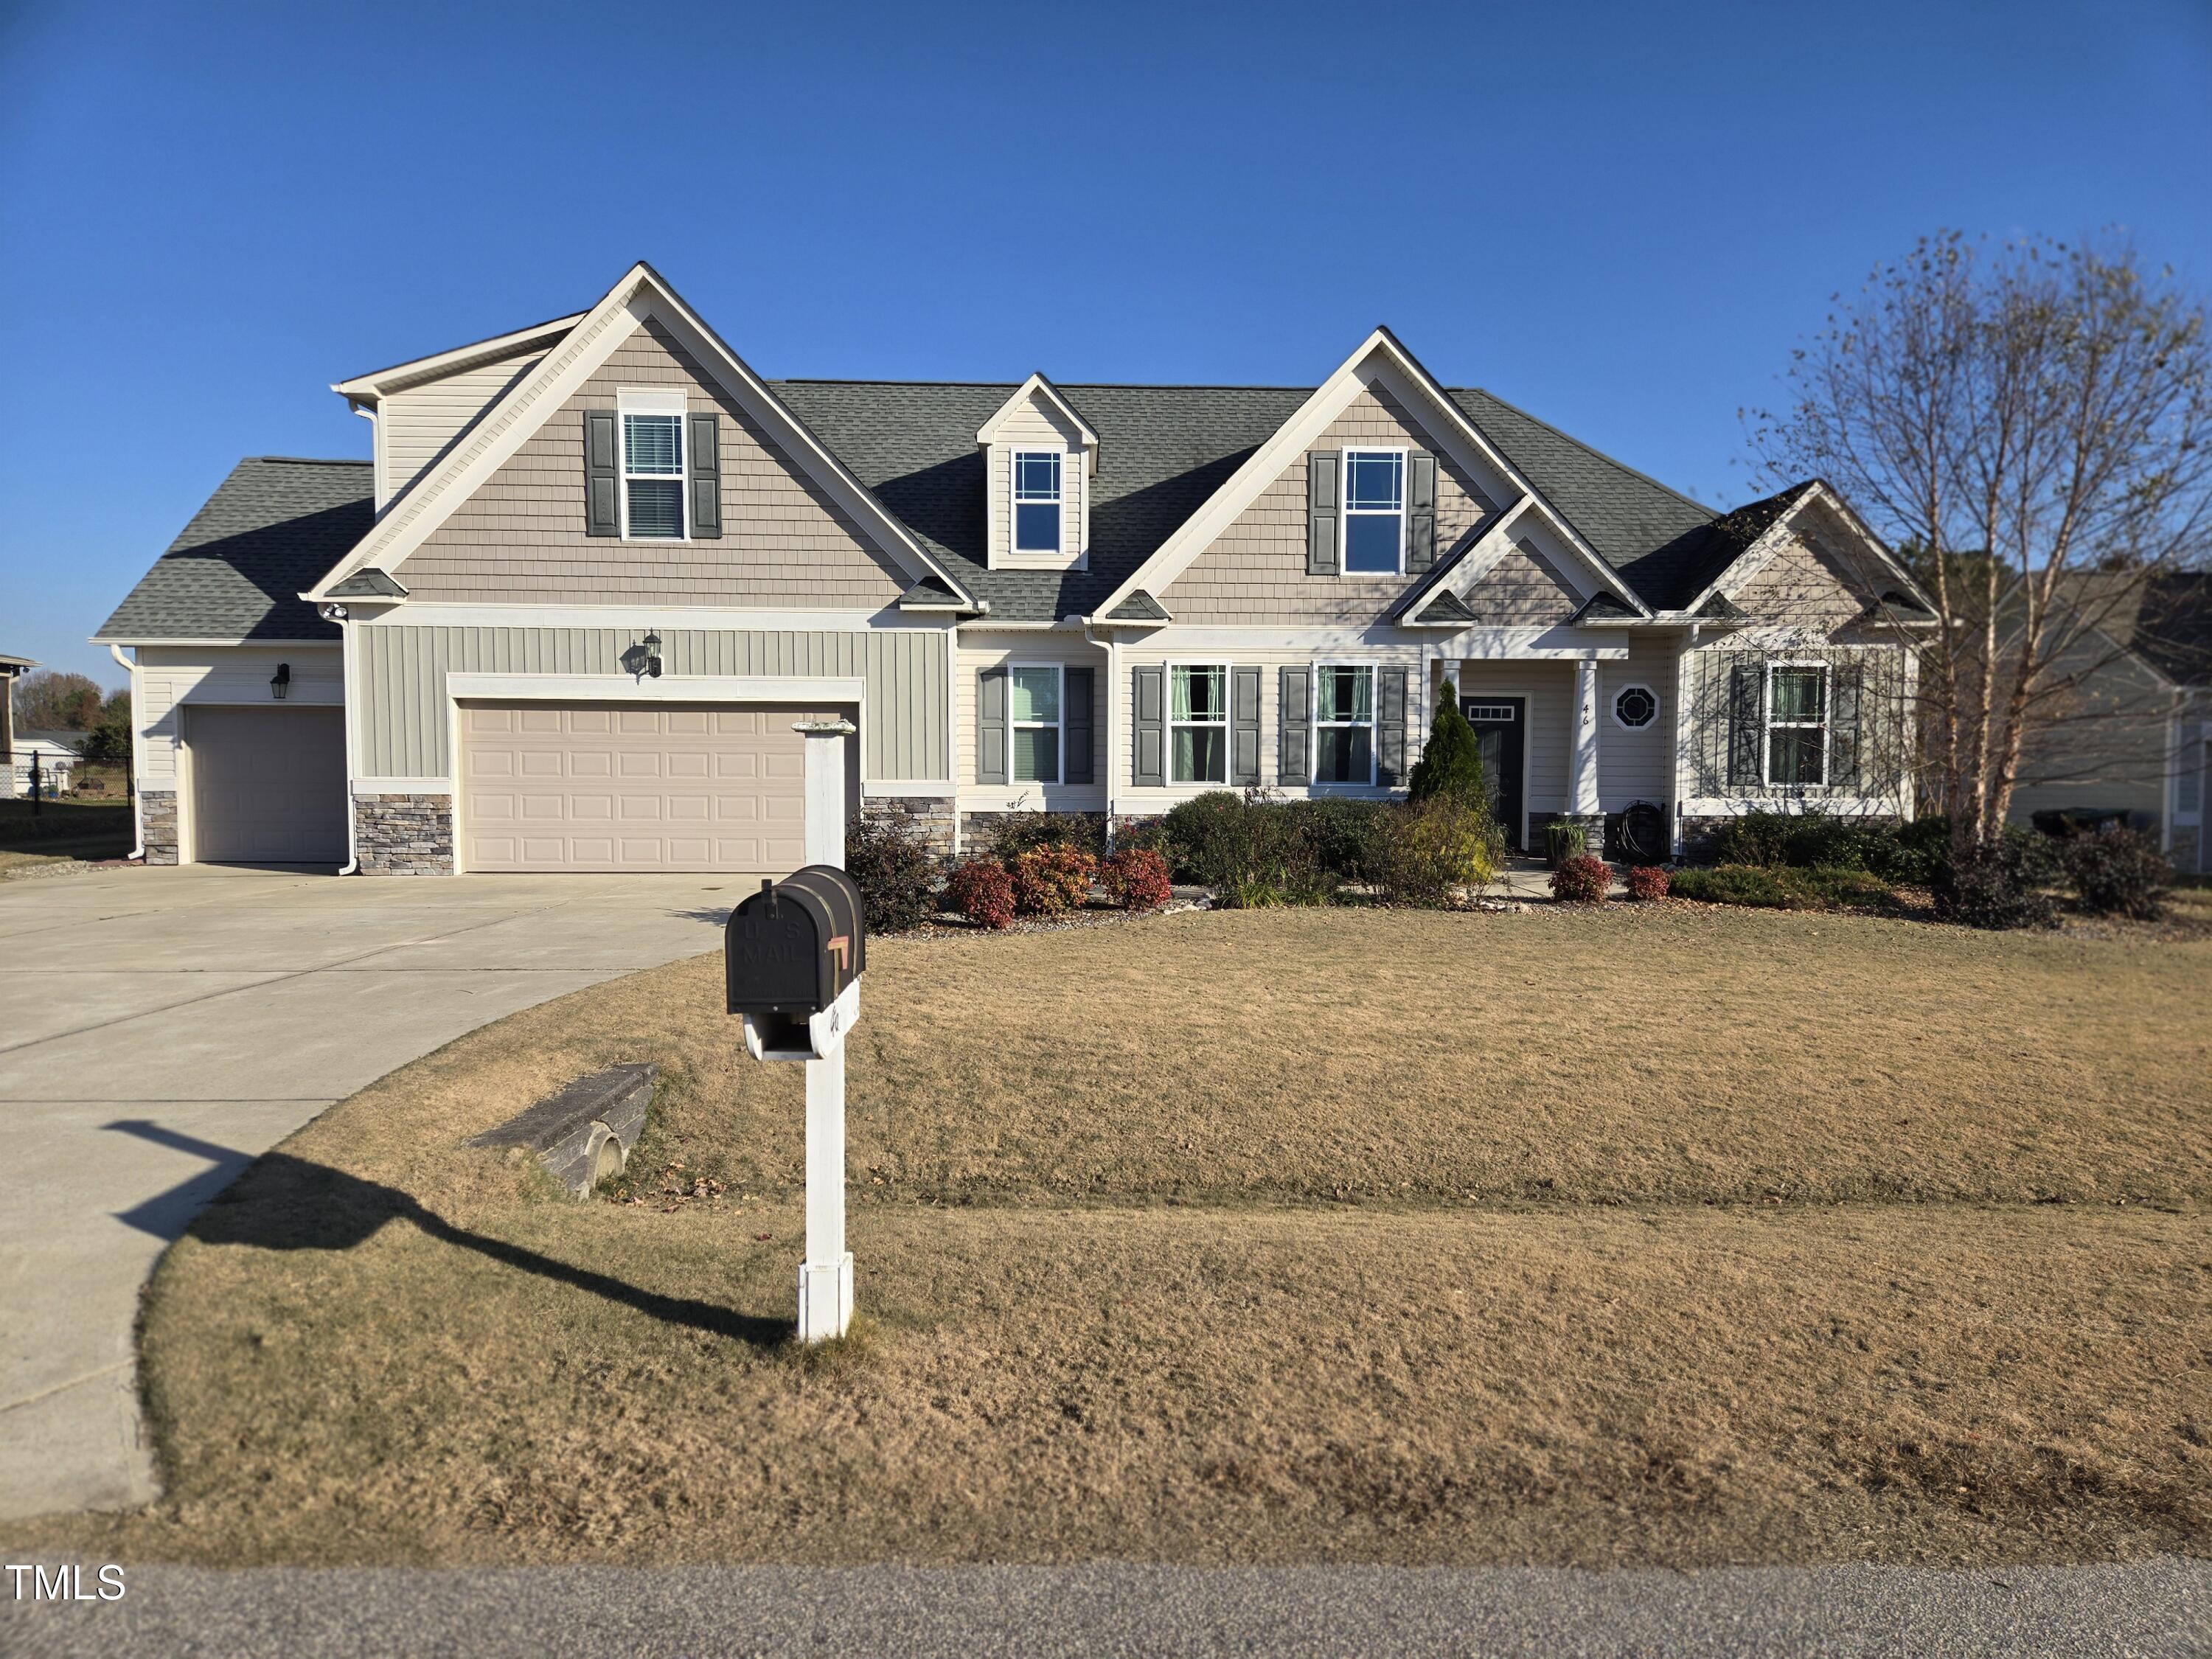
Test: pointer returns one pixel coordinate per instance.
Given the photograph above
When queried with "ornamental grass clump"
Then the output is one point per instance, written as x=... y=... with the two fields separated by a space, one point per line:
x=1581 y=879
x=1136 y=879
x=1050 y=881
x=982 y=891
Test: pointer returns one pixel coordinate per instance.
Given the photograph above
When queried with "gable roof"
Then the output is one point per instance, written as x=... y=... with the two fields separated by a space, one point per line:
x=2164 y=618
x=1037 y=386
x=368 y=388
x=235 y=573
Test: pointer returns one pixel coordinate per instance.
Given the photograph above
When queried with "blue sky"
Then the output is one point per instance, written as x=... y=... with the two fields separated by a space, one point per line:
x=1621 y=217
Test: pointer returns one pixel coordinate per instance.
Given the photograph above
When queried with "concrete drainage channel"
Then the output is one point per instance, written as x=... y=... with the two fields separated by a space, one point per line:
x=586 y=1132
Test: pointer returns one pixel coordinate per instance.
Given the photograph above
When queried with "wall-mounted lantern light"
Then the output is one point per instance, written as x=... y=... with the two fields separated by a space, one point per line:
x=280 y=683
x=653 y=655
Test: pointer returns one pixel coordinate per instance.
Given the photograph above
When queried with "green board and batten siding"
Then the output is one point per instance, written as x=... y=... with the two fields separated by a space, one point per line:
x=405 y=716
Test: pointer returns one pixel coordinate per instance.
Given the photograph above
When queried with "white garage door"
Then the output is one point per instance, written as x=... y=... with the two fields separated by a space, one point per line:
x=268 y=784
x=614 y=786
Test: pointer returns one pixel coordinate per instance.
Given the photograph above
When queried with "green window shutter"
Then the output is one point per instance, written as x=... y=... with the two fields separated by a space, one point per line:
x=1075 y=719
x=1293 y=728
x=1390 y=727
x=1746 y=699
x=1244 y=727
x=602 y=474
x=1420 y=511
x=702 y=459
x=1323 y=469
x=1846 y=718
x=991 y=726
x=1148 y=735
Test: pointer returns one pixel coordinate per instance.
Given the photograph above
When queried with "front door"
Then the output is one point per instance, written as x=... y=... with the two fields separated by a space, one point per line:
x=1498 y=723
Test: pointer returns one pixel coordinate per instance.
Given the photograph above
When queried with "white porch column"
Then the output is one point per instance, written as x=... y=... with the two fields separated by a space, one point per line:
x=1581 y=767
x=825 y=789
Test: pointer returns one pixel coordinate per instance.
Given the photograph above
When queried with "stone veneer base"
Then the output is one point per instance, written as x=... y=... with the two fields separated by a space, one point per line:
x=157 y=809
x=403 y=834
x=931 y=817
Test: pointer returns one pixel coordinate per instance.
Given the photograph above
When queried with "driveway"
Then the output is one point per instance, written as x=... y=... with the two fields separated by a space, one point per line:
x=158 y=1027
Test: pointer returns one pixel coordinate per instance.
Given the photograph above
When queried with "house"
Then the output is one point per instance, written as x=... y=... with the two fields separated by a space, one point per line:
x=58 y=754
x=565 y=615
x=2130 y=734
x=10 y=669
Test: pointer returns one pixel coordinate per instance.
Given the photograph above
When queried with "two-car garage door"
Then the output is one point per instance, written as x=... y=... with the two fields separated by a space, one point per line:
x=624 y=788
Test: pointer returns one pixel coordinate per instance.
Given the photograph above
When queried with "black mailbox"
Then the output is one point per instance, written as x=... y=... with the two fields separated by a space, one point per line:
x=793 y=947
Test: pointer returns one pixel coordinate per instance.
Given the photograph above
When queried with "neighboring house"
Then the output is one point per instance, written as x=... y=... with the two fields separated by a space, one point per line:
x=10 y=669
x=58 y=755
x=2132 y=733
x=565 y=616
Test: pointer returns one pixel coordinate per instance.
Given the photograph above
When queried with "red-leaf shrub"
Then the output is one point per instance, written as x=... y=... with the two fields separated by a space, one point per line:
x=981 y=891
x=1050 y=881
x=1136 y=877
x=1581 y=879
x=1647 y=883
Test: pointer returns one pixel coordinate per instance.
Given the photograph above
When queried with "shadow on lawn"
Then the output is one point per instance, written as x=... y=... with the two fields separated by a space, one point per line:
x=285 y=1203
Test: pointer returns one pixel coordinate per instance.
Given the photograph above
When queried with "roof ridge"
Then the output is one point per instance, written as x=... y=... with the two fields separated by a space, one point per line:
x=310 y=460
x=1590 y=449
x=994 y=386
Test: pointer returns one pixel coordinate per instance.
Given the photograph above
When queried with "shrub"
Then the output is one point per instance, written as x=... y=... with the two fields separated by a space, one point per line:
x=1136 y=877
x=1422 y=852
x=1342 y=835
x=981 y=891
x=1647 y=884
x=1017 y=833
x=1782 y=888
x=891 y=865
x=1999 y=886
x=1915 y=854
x=1050 y=881
x=1581 y=879
x=1450 y=768
x=1223 y=839
x=1563 y=841
x=2118 y=872
x=1207 y=837
x=1151 y=833
x=1761 y=838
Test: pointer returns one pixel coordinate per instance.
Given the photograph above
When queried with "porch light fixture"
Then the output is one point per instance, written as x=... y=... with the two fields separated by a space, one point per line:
x=280 y=683
x=653 y=655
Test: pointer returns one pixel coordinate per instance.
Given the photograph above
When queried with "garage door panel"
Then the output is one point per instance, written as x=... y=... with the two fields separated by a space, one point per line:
x=268 y=784
x=680 y=787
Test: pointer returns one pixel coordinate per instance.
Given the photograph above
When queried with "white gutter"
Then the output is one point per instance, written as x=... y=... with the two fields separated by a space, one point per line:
x=337 y=613
x=138 y=802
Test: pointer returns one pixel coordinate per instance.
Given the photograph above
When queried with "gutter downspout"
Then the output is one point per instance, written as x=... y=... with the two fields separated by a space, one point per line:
x=137 y=804
x=337 y=613
x=1113 y=680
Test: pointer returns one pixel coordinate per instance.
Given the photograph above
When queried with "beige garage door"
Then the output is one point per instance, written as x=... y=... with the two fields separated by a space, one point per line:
x=268 y=784
x=611 y=787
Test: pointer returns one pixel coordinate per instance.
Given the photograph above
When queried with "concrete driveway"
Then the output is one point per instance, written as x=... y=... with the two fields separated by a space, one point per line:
x=161 y=1028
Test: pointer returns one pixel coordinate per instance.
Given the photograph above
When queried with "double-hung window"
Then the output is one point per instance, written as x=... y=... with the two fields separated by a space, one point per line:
x=1344 y=725
x=1796 y=724
x=653 y=475
x=1198 y=724
x=1034 y=707
x=1374 y=510
x=1038 y=501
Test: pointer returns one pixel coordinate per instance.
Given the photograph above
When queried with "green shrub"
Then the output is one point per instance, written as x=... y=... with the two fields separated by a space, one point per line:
x=1426 y=852
x=1207 y=837
x=891 y=865
x=1342 y=835
x=1149 y=834
x=2001 y=886
x=1017 y=833
x=1581 y=879
x=1915 y=854
x=2118 y=872
x=1450 y=768
x=1781 y=887
x=1761 y=838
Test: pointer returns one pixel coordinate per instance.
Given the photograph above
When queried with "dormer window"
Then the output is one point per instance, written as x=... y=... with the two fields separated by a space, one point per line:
x=1038 y=501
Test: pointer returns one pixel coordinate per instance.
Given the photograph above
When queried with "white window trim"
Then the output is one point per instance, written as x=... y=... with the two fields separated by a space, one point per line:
x=1315 y=724
x=1058 y=725
x=1657 y=707
x=1015 y=503
x=1345 y=515
x=1767 y=724
x=1169 y=722
x=654 y=401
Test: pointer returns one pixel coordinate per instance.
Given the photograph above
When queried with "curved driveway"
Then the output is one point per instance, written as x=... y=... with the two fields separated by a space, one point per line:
x=161 y=1028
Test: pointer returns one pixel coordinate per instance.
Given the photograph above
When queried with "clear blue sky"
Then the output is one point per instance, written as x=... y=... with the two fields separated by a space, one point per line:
x=1621 y=217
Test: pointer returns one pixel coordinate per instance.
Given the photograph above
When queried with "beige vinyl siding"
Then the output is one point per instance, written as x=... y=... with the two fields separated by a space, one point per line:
x=981 y=650
x=520 y=539
x=418 y=424
x=1254 y=571
x=1639 y=765
x=1810 y=582
x=404 y=715
x=1523 y=589
x=1036 y=425
x=170 y=675
x=1884 y=727
x=1549 y=689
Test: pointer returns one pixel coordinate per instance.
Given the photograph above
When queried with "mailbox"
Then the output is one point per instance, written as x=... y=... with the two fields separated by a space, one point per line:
x=793 y=948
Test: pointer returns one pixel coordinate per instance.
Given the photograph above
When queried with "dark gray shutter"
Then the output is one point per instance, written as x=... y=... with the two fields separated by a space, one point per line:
x=602 y=474
x=1244 y=727
x=1293 y=727
x=1148 y=733
x=1846 y=725
x=1321 y=512
x=1747 y=698
x=1420 y=511
x=991 y=726
x=1075 y=721
x=1390 y=727
x=702 y=459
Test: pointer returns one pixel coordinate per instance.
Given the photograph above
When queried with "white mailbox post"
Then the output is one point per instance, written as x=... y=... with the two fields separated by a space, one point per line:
x=786 y=948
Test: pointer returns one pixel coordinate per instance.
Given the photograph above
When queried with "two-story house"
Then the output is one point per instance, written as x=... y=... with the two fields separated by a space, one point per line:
x=564 y=616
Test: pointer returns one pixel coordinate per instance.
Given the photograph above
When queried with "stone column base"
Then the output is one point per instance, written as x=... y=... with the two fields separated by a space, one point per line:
x=403 y=834
x=158 y=810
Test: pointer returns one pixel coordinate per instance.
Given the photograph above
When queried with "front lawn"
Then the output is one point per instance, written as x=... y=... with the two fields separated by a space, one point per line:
x=1660 y=1235
x=61 y=832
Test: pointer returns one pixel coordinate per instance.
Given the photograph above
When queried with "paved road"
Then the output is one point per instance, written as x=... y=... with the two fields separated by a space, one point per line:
x=2152 y=1608
x=160 y=1028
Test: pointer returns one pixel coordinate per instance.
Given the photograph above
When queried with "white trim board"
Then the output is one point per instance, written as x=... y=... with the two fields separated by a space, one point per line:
x=653 y=615
x=378 y=382
x=1037 y=384
x=666 y=688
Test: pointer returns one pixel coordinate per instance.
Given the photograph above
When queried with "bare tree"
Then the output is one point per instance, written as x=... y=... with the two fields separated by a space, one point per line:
x=2014 y=420
x=55 y=699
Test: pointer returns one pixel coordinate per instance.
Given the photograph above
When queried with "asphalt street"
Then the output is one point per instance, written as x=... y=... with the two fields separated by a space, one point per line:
x=2161 y=1608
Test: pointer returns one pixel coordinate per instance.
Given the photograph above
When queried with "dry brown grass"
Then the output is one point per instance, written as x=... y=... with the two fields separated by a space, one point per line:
x=386 y=1348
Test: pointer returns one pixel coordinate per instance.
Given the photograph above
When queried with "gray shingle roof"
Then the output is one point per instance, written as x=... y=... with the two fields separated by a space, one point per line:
x=2164 y=617
x=273 y=528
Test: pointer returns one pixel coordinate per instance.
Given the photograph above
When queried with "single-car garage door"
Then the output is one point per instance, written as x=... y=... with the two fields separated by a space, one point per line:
x=614 y=786
x=268 y=784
